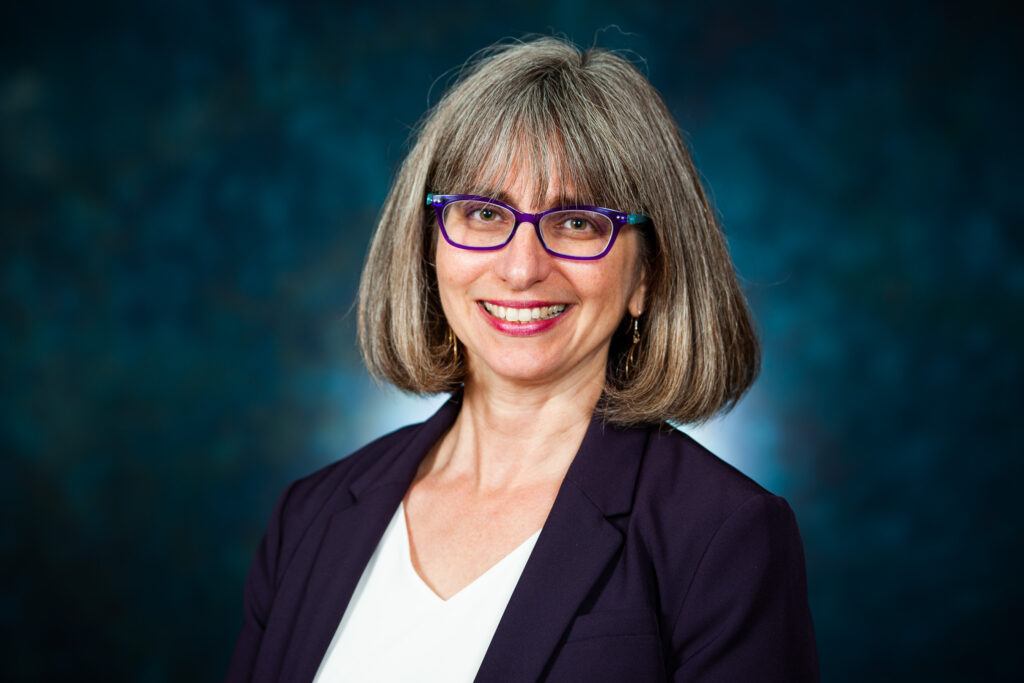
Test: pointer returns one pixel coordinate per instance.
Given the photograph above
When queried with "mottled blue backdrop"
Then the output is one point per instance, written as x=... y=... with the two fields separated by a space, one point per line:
x=188 y=189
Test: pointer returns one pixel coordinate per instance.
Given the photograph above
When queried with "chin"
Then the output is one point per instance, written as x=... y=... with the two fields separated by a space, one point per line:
x=516 y=364
x=529 y=366
x=531 y=374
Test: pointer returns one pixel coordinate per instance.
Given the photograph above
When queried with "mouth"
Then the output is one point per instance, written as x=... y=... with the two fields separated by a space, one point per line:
x=523 y=314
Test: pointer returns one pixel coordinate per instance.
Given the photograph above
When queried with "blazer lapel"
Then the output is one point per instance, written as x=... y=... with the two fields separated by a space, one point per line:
x=573 y=550
x=351 y=535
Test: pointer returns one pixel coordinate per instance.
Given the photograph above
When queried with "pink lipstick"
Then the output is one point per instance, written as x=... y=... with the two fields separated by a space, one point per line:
x=522 y=318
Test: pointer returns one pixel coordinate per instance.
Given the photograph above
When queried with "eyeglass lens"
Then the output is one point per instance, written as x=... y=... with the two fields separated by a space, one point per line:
x=473 y=223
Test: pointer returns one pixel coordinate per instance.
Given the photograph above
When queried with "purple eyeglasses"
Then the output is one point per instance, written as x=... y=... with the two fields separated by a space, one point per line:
x=580 y=233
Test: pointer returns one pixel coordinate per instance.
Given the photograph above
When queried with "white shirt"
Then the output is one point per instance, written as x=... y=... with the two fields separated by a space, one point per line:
x=397 y=629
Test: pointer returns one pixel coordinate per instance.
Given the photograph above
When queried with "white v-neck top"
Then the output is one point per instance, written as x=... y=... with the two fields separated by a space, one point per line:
x=397 y=629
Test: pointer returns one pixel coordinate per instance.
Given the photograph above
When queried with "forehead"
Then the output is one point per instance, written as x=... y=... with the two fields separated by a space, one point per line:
x=546 y=130
x=534 y=163
x=522 y=186
x=519 y=171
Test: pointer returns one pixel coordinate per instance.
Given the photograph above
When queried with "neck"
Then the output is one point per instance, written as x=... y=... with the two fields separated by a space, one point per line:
x=508 y=435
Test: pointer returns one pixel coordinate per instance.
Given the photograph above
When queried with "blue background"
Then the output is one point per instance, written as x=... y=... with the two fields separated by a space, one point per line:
x=188 y=190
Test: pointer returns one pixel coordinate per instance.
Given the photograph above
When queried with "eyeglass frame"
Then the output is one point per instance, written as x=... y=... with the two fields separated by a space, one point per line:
x=618 y=218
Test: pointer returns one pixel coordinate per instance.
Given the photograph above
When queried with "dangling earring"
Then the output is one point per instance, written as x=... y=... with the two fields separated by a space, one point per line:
x=631 y=356
x=453 y=342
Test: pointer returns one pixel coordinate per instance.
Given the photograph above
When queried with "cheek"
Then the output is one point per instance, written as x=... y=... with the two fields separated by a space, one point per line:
x=445 y=266
x=443 y=274
x=633 y=279
x=454 y=273
x=612 y=286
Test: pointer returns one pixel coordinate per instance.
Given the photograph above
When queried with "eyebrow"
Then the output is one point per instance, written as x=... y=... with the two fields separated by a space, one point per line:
x=504 y=198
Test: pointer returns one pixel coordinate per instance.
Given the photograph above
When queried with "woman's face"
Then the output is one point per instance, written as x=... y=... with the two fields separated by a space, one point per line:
x=581 y=303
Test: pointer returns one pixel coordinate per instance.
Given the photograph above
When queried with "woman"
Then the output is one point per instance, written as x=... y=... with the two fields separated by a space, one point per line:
x=546 y=255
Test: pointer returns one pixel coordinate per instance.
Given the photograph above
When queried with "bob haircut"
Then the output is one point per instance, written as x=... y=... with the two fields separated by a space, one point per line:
x=592 y=121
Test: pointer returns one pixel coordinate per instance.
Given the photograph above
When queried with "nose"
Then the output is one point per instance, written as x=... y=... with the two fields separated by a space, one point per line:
x=523 y=262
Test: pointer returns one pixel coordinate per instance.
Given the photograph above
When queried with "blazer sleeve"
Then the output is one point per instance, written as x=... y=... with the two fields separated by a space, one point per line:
x=745 y=616
x=258 y=595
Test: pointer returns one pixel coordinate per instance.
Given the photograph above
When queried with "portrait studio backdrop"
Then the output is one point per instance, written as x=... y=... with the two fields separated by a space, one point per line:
x=188 y=190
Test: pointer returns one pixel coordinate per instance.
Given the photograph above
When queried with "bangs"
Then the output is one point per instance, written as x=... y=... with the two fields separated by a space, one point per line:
x=553 y=131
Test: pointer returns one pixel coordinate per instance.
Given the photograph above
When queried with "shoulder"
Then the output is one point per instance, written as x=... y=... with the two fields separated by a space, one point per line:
x=690 y=506
x=328 y=489
x=678 y=476
x=728 y=560
x=391 y=459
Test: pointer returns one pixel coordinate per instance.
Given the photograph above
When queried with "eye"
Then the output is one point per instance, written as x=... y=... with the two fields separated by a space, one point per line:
x=479 y=215
x=484 y=213
x=576 y=224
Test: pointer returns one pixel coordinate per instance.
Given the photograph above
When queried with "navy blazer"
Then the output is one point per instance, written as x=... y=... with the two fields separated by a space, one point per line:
x=657 y=562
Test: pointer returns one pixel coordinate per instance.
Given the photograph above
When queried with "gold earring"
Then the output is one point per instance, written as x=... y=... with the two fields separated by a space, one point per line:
x=453 y=342
x=631 y=356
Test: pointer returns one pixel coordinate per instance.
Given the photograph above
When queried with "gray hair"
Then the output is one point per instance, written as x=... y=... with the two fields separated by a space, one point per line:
x=596 y=124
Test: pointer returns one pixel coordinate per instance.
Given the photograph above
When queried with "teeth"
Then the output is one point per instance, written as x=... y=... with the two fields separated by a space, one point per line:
x=524 y=315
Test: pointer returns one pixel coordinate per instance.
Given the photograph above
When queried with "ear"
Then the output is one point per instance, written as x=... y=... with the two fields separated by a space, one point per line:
x=638 y=298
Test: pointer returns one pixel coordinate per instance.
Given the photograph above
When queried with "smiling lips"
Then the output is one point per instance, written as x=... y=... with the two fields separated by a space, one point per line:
x=523 y=314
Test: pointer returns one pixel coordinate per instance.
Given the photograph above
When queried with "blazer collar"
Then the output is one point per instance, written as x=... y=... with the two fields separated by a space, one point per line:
x=575 y=545
x=604 y=469
x=573 y=551
x=352 y=533
x=399 y=467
